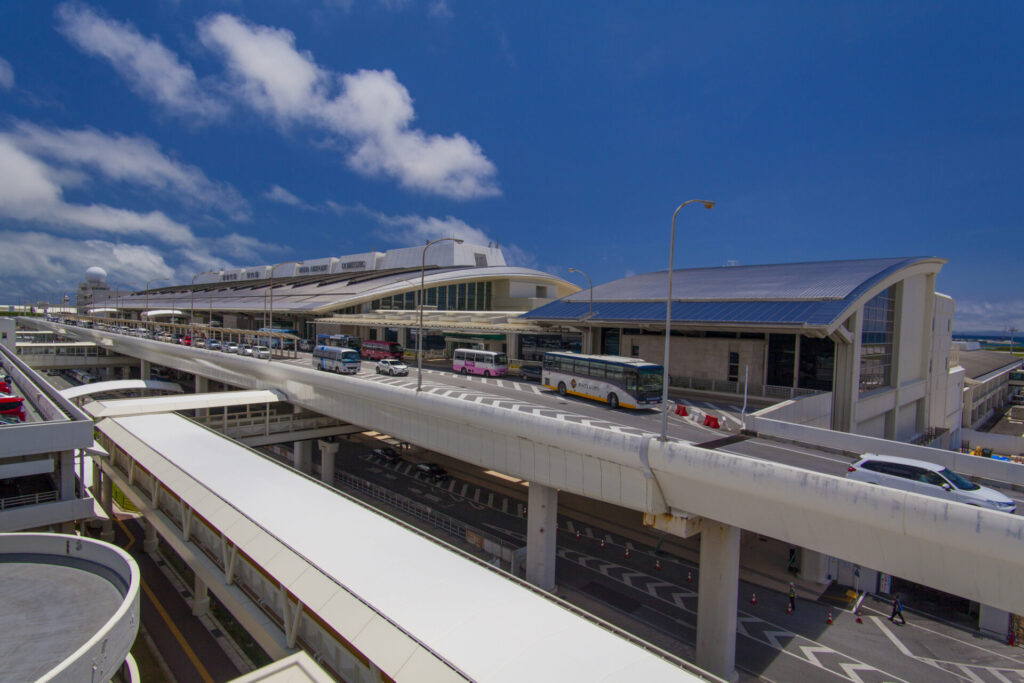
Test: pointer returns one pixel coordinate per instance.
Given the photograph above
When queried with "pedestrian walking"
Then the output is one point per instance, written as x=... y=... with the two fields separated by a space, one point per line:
x=897 y=609
x=792 y=596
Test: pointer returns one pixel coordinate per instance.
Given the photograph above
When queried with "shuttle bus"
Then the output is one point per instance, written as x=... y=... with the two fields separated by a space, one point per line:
x=346 y=340
x=336 y=359
x=373 y=349
x=476 y=362
x=615 y=380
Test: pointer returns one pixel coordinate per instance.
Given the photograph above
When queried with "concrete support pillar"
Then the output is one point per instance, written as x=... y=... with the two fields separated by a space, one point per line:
x=814 y=566
x=202 y=387
x=328 y=450
x=541 y=531
x=67 y=475
x=107 y=495
x=200 y=598
x=993 y=621
x=144 y=369
x=716 y=595
x=302 y=456
x=96 y=476
x=149 y=544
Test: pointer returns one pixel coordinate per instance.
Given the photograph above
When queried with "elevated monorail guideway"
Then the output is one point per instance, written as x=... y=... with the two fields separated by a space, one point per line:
x=974 y=553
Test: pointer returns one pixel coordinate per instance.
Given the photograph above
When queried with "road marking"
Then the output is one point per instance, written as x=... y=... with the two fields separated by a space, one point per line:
x=200 y=669
x=892 y=637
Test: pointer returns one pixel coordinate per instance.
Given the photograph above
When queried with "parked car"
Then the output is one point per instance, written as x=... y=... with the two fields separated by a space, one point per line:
x=388 y=455
x=432 y=471
x=213 y=344
x=927 y=479
x=245 y=350
x=230 y=347
x=261 y=352
x=392 y=366
x=530 y=373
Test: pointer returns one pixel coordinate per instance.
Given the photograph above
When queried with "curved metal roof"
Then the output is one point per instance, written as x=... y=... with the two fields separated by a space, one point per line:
x=814 y=293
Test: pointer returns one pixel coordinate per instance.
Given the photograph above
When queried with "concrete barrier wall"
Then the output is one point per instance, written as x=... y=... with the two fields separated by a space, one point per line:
x=1004 y=444
x=971 y=465
x=814 y=411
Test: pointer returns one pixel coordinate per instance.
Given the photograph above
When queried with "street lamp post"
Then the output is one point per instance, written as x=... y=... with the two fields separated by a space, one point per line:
x=270 y=316
x=148 y=283
x=419 y=302
x=120 y=297
x=192 y=306
x=668 y=315
x=590 y=317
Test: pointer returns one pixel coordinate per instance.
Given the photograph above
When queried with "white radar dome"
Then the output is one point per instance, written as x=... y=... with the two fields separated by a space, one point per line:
x=96 y=275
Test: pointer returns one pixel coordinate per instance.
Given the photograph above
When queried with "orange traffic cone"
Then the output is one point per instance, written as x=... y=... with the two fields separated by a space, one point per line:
x=657 y=564
x=627 y=552
x=789 y=609
x=689 y=577
x=753 y=599
x=577 y=533
x=602 y=544
x=829 y=620
x=859 y=620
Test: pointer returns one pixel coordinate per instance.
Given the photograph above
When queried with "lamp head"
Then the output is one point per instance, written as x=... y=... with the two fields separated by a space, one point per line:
x=708 y=205
x=572 y=270
x=458 y=241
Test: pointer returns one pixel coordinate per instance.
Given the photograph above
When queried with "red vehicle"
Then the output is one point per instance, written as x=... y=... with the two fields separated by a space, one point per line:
x=373 y=349
x=13 y=406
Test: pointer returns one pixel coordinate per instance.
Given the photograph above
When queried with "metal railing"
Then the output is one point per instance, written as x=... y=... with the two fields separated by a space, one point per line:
x=723 y=386
x=28 y=499
x=438 y=520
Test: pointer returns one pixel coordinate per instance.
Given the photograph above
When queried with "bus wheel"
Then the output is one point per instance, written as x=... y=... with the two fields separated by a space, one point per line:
x=487 y=373
x=561 y=388
x=464 y=371
x=613 y=401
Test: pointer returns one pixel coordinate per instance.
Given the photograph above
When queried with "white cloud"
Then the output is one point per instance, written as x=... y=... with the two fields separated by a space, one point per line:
x=372 y=110
x=988 y=315
x=136 y=160
x=30 y=191
x=283 y=196
x=439 y=9
x=6 y=74
x=152 y=71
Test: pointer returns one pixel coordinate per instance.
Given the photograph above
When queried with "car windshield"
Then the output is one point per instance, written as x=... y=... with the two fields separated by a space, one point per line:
x=958 y=481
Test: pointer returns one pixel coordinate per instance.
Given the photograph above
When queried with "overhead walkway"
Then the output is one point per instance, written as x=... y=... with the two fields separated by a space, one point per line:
x=119 y=386
x=302 y=565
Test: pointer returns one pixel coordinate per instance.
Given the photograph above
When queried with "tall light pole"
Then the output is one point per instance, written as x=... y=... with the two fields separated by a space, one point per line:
x=270 y=323
x=419 y=302
x=192 y=306
x=120 y=296
x=148 y=283
x=590 y=317
x=668 y=315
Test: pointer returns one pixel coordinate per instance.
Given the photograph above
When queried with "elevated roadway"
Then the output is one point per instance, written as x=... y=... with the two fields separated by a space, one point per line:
x=970 y=552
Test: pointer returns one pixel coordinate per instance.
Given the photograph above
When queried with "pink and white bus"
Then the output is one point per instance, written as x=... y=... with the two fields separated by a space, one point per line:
x=474 y=362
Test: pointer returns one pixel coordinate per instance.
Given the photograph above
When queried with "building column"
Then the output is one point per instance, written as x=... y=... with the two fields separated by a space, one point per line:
x=716 y=598
x=107 y=503
x=202 y=387
x=67 y=475
x=145 y=369
x=993 y=621
x=150 y=542
x=200 y=598
x=814 y=566
x=541 y=536
x=328 y=449
x=97 y=476
x=302 y=456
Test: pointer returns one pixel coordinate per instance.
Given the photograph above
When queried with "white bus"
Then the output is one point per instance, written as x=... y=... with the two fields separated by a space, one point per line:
x=475 y=362
x=615 y=380
x=336 y=359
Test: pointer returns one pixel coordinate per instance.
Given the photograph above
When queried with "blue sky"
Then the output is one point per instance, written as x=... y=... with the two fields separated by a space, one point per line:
x=161 y=139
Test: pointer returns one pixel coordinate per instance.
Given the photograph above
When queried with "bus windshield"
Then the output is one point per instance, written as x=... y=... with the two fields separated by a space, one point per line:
x=500 y=359
x=650 y=379
x=350 y=355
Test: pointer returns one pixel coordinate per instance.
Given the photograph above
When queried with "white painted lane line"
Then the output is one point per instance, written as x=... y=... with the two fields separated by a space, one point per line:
x=892 y=637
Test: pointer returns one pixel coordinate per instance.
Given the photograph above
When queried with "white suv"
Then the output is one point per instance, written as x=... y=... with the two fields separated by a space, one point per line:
x=392 y=366
x=927 y=479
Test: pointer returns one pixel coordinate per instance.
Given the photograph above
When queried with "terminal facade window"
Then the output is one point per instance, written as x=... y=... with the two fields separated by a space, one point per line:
x=876 y=341
x=465 y=296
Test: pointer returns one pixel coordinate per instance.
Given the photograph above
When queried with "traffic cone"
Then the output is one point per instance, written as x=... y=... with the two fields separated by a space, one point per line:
x=859 y=620
x=627 y=552
x=789 y=609
x=602 y=544
x=577 y=533
x=753 y=599
x=829 y=619
x=657 y=564
x=689 y=577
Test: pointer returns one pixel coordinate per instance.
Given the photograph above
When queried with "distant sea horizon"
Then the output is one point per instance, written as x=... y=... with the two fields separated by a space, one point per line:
x=996 y=335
